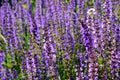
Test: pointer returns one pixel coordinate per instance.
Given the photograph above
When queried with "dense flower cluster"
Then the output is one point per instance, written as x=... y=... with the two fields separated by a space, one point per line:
x=59 y=40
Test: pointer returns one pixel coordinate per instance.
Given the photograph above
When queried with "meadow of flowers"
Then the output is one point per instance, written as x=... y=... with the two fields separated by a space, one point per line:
x=60 y=40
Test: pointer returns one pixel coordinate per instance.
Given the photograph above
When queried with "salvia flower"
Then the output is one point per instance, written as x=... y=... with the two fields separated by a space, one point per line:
x=59 y=40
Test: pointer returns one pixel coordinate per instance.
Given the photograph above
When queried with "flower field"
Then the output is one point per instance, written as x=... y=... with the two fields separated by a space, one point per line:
x=60 y=40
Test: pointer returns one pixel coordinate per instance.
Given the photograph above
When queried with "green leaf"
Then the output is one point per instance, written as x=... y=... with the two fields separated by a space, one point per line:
x=85 y=5
x=76 y=8
x=8 y=61
x=79 y=46
x=8 y=57
x=3 y=42
x=32 y=1
x=26 y=39
x=4 y=64
x=24 y=5
x=33 y=4
x=100 y=60
x=20 y=77
x=2 y=38
x=67 y=1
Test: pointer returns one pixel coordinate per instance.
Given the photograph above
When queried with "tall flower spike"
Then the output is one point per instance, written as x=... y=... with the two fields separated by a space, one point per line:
x=2 y=58
x=89 y=44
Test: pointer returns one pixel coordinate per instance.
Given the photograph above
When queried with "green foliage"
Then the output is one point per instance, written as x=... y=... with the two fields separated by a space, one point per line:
x=100 y=60
x=26 y=39
x=17 y=66
x=8 y=61
x=118 y=13
x=76 y=8
x=102 y=12
x=14 y=65
x=67 y=1
x=2 y=38
x=62 y=71
x=85 y=5
x=66 y=66
x=24 y=6
x=20 y=77
x=3 y=42
x=79 y=46
x=33 y=4
x=71 y=68
x=2 y=46
x=88 y=3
